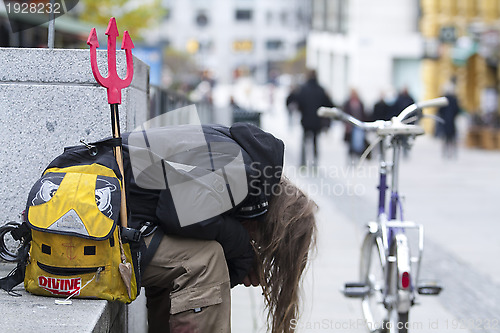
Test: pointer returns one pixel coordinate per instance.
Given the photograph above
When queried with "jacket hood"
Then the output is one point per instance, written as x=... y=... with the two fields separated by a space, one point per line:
x=266 y=153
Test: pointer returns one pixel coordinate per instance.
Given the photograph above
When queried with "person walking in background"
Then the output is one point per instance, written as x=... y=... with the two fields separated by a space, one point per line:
x=448 y=130
x=309 y=97
x=403 y=100
x=291 y=104
x=354 y=136
x=382 y=110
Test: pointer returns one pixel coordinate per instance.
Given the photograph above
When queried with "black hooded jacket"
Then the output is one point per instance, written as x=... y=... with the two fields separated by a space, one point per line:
x=309 y=97
x=263 y=158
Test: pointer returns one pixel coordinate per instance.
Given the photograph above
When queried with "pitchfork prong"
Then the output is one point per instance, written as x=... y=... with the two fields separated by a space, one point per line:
x=112 y=82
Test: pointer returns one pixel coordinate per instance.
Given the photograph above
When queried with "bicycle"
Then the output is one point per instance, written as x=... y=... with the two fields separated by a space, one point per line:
x=389 y=273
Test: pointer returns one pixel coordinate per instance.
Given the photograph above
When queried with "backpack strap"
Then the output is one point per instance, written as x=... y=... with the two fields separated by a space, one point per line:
x=153 y=246
x=22 y=233
x=15 y=277
x=18 y=232
x=131 y=234
x=111 y=142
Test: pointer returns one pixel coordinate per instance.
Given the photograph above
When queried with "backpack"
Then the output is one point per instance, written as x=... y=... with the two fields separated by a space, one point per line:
x=77 y=247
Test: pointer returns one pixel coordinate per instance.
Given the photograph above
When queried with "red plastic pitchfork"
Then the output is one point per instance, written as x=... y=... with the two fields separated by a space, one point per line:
x=114 y=85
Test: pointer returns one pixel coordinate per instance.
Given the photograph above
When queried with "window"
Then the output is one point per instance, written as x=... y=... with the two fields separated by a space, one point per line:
x=205 y=46
x=269 y=17
x=336 y=16
x=274 y=44
x=418 y=17
x=201 y=19
x=284 y=17
x=243 y=45
x=168 y=14
x=333 y=15
x=319 y=14
x=301 y=17
x=243 y=15
x=344 y=16
x=165 y=42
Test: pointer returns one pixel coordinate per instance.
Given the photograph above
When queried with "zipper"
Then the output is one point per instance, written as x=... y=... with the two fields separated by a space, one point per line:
x=70 y=270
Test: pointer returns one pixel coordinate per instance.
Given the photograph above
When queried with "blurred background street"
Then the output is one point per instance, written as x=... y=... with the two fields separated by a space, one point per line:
x=239 y=60
x=455 y=200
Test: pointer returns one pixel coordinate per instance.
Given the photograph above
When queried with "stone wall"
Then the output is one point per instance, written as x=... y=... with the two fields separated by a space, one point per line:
x=49 y=99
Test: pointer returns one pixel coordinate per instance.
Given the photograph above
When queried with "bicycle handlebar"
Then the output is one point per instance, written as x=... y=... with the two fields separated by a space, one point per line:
x=392 y=127
x=436 y=102
x=336 y=113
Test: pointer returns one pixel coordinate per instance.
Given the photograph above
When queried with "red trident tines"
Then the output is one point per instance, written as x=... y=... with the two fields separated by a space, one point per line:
x=112 y=82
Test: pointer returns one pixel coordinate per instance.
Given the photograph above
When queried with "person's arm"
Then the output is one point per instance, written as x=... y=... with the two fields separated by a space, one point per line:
x=291 y=98
x=224 y=229
x=252 y=278
x=239 y=253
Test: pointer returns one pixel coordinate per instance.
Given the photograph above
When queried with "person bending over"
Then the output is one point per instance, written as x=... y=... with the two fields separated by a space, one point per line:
x=263 y=240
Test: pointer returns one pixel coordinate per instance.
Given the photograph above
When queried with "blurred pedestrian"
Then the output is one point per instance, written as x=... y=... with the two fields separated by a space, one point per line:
x=233 y=105
x=448 y=130
x=354 y=136
x=403 y=100
x=309 y=97
x=382 y=110
x=291 y=104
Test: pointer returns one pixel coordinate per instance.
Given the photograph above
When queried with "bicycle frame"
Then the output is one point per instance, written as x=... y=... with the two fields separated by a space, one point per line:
x=392 y=229
x=383 y=177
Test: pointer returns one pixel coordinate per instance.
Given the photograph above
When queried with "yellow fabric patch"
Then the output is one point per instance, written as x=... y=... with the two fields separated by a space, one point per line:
x=77 y=193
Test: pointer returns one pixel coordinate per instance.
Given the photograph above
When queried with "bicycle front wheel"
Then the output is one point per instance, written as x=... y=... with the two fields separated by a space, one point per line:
x=372 y=274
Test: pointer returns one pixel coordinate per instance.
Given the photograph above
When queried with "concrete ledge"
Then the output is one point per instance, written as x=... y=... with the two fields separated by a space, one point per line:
x=30 y=313
x=62 y=66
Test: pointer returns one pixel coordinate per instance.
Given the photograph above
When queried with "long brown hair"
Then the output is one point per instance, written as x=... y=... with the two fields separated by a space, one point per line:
x=283 y=243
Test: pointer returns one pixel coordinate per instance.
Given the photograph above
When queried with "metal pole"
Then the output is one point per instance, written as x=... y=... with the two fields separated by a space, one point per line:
x=52 y=18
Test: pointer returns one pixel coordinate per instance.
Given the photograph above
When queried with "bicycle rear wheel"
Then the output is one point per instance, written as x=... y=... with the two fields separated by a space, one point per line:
x=403 y=322
x=372 y=274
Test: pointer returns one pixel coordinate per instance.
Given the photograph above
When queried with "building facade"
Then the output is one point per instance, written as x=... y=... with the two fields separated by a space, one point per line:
x=462 y=41
x=463 y=45
x=372 y=46
x=228 y=37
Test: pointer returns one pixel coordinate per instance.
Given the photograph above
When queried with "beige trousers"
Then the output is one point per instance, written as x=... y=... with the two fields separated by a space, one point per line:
x=187 y=287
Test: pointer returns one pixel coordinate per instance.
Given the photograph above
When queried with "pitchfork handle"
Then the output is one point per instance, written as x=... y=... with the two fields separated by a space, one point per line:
x=115 y=123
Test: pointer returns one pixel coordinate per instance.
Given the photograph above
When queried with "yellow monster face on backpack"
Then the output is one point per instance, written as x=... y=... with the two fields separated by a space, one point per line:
x=75 y=248
x=63 y=203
